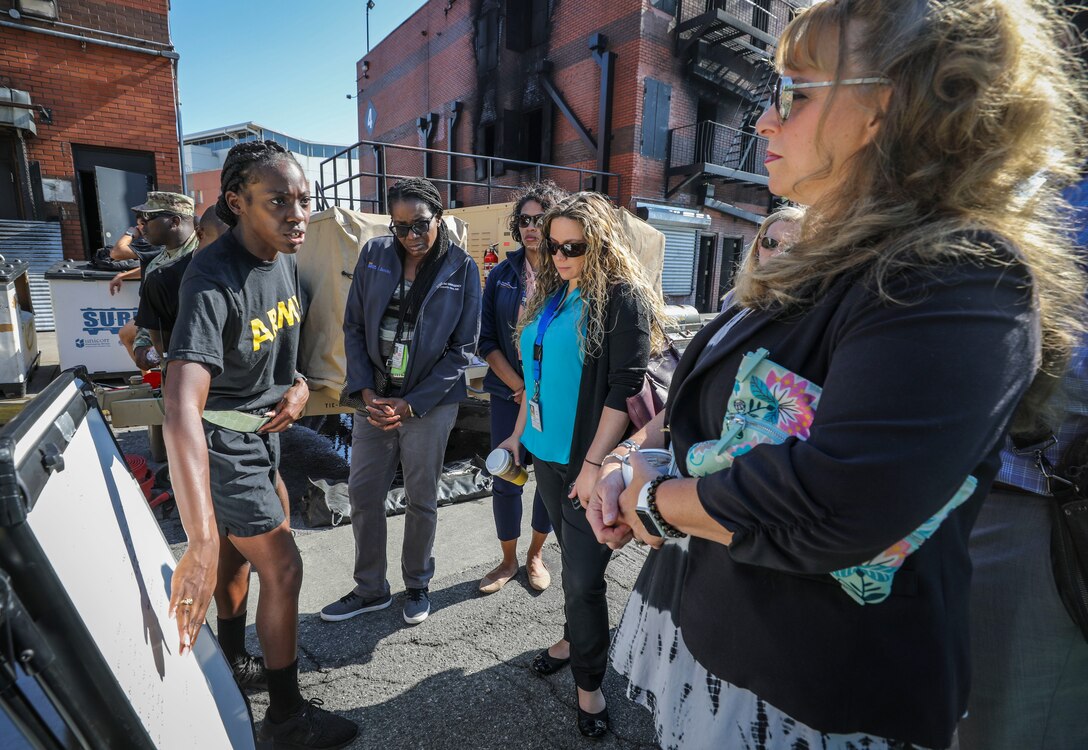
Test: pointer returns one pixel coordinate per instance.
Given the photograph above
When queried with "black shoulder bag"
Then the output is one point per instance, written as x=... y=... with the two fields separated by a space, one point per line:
x=1067 y=484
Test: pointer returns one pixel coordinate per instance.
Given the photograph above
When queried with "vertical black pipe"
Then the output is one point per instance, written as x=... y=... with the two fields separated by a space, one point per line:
x=379 y=169
x=607 y=60
x=455 y=114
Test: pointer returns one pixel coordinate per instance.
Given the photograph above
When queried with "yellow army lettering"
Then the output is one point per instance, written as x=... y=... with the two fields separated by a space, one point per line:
x=285 y=315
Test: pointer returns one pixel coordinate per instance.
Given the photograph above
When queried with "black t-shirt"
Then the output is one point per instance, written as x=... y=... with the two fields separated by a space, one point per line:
x=145 y=251
x=159 y=298
x=241 y=316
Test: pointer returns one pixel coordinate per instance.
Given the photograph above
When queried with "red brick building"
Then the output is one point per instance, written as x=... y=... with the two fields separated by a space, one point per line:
x=88 y=116
x=675 y=87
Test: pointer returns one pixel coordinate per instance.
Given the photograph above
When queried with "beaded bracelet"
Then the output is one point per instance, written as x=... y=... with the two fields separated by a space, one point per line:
x=651 y=503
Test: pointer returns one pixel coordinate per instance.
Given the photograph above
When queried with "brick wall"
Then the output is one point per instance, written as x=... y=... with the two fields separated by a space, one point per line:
x=412 y=73
x=204 y=187
x=100 y=96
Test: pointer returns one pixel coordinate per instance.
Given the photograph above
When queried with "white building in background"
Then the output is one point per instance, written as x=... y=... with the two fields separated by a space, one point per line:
x=203 y=155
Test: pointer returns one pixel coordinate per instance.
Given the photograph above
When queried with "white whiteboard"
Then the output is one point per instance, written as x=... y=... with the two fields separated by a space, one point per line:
x=93 y=523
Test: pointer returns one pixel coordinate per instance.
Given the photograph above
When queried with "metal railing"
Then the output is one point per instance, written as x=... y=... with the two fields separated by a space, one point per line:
x=770 y=16
x=714 y=143
x=381 y=164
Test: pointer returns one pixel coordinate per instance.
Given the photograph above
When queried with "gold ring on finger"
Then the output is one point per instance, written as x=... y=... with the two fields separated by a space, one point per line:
x=186 y=602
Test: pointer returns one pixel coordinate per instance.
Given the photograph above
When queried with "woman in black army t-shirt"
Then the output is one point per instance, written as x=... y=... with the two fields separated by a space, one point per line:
x=231 y=388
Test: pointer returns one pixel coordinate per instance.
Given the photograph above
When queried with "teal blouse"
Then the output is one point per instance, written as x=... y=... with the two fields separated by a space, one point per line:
x=560 y=378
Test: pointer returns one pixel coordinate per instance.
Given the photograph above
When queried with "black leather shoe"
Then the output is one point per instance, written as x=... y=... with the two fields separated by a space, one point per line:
x=592 y=726
x=545 y=664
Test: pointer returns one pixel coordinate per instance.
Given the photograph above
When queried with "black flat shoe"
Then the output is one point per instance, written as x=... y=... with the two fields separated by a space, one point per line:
x=592 y=726
x=545 y=664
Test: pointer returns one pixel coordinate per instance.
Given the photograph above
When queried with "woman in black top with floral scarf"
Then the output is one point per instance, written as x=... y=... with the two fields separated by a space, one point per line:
x=837 y=430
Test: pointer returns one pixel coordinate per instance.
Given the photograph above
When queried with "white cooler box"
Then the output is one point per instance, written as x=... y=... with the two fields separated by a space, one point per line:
x=89 y=320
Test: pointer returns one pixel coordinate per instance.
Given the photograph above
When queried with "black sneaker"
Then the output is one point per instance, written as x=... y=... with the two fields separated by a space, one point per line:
x=351 y=605
x=309 y=727
x=417 y=606
x=249 y=672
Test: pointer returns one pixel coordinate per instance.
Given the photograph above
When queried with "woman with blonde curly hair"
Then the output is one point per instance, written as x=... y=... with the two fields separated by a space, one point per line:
x=776 y=234
x=836 y=432
x=586 y=337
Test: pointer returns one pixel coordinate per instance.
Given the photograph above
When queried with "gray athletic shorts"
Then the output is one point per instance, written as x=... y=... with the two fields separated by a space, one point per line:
x=242 y=468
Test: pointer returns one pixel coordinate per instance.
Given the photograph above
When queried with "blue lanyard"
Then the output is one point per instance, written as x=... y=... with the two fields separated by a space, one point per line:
x=546 y=318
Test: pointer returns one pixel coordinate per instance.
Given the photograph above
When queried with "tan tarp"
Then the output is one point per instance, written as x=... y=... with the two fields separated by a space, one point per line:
x=326 y=263
x=647 y=242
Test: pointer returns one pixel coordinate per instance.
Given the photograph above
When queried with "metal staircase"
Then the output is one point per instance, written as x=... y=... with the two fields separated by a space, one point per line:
x=729 y=45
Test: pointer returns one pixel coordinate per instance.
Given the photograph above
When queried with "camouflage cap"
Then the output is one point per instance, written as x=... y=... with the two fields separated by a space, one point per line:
x=173 y=203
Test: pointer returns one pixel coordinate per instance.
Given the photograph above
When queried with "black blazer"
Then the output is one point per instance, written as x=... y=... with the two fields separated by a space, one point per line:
x=613 y=376
x=916 y=397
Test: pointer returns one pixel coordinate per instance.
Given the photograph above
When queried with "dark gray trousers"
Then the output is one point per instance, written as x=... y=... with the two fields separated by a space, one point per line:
x=1029 y=688
x=418 y=446
x=584 y=587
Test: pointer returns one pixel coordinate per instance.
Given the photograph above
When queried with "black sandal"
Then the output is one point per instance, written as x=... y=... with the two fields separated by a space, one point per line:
x=592 y=726
x=545 y=664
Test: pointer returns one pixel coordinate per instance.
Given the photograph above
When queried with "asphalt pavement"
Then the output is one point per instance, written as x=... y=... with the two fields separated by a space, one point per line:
x=461 y=679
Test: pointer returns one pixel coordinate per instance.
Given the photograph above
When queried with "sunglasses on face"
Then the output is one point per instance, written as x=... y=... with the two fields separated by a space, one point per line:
x=526 y=220
x=418 y=228
x=782 y=99
x=570 y=249
x=771 y=244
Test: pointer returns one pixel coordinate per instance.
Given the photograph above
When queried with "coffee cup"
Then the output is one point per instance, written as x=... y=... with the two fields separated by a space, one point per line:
x=659 y=460
x=500 y=463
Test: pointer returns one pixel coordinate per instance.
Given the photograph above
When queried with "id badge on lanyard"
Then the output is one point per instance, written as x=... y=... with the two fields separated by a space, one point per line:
x=397 y=363
x=536 y=416
x=398 y=360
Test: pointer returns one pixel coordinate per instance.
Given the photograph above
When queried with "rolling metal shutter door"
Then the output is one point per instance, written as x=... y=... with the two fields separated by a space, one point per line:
x=679 y=271
x=38 y=243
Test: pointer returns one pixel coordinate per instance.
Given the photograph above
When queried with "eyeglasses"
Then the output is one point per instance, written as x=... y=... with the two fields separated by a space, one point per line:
x=783 y=91
x=525 y=220
x=768 y=243
x=570 y=249
x=418 y=228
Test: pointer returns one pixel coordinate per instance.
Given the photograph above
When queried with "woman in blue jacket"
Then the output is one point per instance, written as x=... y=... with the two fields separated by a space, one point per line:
x=508 y=286
x=410 y=328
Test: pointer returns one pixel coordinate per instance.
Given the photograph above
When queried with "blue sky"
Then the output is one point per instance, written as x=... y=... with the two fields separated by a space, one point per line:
x=286 y=65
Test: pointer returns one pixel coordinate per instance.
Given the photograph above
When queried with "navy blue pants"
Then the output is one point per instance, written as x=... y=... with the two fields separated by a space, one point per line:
x=506 y=497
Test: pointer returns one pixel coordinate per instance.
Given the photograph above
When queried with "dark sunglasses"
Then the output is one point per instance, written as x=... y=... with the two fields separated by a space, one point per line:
x=771 y=244
x=570 y=249
x=418 y=228
x=782 y=98
x=525 y=220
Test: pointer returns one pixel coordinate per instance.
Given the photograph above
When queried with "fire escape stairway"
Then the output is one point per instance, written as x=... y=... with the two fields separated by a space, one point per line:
x=722 y=49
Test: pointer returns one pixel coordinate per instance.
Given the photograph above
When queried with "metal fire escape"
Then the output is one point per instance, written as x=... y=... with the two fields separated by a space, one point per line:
x=728 y=45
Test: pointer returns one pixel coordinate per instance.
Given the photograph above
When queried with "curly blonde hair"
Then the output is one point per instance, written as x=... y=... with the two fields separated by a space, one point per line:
x=609 y=260
x=983 y=103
